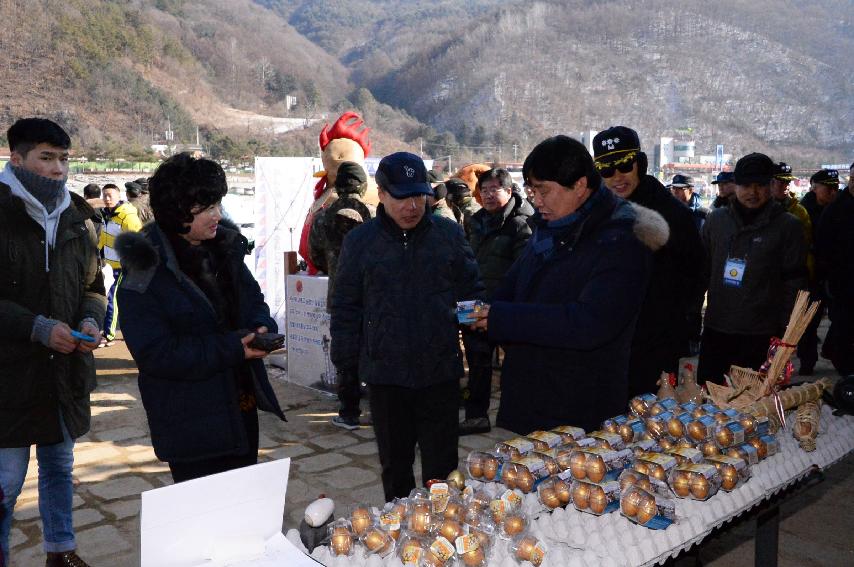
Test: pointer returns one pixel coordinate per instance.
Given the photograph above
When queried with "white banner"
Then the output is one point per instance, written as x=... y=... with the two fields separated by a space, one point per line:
x=283 y=194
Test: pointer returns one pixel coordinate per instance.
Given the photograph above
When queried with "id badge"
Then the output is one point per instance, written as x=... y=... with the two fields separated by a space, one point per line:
x=734 y=272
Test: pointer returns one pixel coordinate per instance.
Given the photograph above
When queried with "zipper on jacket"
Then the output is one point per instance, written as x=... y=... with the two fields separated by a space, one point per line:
x=405 y=239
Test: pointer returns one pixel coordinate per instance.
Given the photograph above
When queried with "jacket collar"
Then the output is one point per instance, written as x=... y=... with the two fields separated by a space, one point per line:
x=391 y=227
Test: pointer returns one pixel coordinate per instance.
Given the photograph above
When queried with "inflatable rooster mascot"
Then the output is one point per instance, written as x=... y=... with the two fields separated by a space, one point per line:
x=346 y=140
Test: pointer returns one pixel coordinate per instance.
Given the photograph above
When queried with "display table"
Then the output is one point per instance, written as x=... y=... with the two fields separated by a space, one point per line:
x=579 y=539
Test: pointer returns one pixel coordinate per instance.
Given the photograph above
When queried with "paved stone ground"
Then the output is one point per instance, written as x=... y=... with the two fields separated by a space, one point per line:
x=114 y=463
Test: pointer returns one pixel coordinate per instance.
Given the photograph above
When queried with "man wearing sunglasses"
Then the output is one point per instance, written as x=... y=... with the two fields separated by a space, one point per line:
x=664 y=326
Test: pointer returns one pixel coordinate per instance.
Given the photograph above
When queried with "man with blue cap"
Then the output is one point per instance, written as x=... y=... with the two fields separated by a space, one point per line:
x=400 y=276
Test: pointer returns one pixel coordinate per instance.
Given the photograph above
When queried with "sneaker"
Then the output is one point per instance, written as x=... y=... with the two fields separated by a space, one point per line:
x=475 y=425
x=64 y=559
x=348 y=423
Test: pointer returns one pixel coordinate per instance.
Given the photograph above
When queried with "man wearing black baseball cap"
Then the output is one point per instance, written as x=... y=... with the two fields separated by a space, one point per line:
x=755 y=264
x=400 y=276
x=665 y=324
x=835 y=254
x=725 y=180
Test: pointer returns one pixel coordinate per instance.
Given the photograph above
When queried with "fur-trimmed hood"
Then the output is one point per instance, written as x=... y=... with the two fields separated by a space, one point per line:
x=650 y=227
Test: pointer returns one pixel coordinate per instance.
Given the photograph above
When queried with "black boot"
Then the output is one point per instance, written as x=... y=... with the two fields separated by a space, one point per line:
x=65 y=559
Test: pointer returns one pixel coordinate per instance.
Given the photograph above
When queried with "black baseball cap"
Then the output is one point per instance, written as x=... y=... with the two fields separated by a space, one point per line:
x=783 y=172
x=754 y=168
x=615 y=143
x=724 y=177
x=403 y=175
x=826 y=177
x=680 y=180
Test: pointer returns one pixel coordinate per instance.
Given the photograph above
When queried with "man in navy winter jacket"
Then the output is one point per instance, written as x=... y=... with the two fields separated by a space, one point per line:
x=400 y=276
x=566 y=312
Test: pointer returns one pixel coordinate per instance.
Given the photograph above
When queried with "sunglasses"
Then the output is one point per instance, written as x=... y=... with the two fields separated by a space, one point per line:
x=608 y=170
x=623 y=165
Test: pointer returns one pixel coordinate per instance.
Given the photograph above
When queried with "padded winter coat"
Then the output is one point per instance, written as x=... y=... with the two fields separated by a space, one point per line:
x=37 y=383
x=187 y=362
x=394 y=305
x=566 y=322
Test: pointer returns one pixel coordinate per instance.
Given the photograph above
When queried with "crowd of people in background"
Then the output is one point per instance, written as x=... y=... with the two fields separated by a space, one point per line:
x=592 y=280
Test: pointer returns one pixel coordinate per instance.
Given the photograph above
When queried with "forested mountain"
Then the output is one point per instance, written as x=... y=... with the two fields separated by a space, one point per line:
x=772 y=75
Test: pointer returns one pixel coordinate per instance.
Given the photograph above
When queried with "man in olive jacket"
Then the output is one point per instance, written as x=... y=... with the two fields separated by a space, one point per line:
x=50 y=283
x=394 y=319
x=499 y=233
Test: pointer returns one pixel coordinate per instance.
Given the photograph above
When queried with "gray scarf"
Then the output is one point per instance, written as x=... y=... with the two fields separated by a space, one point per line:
x=50 y=193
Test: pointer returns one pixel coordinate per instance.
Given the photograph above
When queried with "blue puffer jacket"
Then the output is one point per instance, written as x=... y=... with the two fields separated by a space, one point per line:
x=394 y=305
x=566 y=321
x=187 y=363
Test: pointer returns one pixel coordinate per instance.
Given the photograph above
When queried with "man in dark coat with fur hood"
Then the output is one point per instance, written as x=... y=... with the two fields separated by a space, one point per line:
x=566 y=311
x=669 y=315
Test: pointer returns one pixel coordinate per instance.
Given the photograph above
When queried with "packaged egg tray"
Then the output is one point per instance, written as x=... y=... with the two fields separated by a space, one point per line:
x=555 y=492
x=632 y=430
x=658 y=426
x=699 y=482
x=642 y=405
x=677 y=424
x=514 y=448
x=766 y=445
x=632 y=477
x=733 y=471
x=729 y=433
x=686 y=455
x=545 y=440
x=569 y=433
x=595 y=498
x=745 y=451
x=597 y=464
x=484 y=466
x=656 y=465
x=526 y=547
x=613 y=425
x=607 y=440
x=653 y=511
x=524 y=473
x=701 y=428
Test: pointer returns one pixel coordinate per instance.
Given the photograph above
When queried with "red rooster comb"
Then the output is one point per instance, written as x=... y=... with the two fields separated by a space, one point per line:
x=349 y=125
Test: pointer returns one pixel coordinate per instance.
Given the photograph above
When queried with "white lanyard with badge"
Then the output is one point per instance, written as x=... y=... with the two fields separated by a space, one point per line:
x=734 y=268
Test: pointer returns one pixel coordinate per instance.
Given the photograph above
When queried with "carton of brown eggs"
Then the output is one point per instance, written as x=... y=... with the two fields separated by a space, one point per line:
x=733 y=470
x=440 y=553
x=526 y=547
x=746 y=451
x=607 y=440
x=656 y=465
x=524 y=473
x=484 y=466
x=641 y=405
x=597 y=464
x=554 y=492
x=766 y=445
x=686 y=455
x=545 y=440
x=569 y=433
x=696 y=481
x=595 y=498
x=652 y=510
x=729 y=433
x=613 y=424
x=514 y=448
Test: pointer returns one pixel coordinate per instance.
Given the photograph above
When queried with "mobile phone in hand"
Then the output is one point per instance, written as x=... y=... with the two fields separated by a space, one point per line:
x=267 y=342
